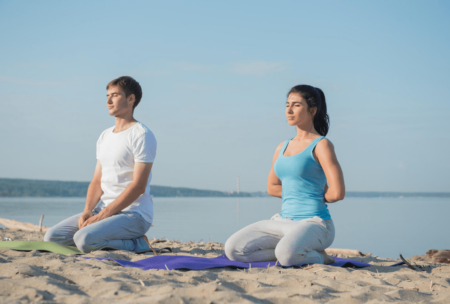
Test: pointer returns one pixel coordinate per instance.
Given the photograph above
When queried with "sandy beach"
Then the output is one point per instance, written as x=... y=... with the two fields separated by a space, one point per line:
x=43 y=277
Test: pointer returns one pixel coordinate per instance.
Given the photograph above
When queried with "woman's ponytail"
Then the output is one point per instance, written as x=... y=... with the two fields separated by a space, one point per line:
x=315 y=98
x=321 y=119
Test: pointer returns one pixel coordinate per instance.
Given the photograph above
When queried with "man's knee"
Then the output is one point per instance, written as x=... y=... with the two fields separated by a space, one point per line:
x=85 y=241
x=48 y=236
x=53 y=235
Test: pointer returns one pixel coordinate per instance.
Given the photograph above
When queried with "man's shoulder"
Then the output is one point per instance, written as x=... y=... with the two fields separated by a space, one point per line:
x=141 y=131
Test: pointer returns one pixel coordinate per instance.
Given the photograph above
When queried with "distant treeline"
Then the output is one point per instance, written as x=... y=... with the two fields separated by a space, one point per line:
x=40 y=188
x=398 y=194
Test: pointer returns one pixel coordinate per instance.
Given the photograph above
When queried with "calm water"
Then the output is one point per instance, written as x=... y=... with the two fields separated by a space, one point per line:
x=384 y=227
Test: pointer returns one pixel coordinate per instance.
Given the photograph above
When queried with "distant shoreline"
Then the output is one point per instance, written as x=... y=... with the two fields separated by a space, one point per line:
x=10 y=187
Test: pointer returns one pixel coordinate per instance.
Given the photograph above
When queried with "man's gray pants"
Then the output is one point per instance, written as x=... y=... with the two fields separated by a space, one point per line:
x=122 y=231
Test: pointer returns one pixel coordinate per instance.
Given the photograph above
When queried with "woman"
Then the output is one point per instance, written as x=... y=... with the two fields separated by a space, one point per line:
x=300 y=171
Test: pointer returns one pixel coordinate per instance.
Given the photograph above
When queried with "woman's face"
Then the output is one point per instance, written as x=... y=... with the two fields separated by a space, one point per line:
x=298 y=111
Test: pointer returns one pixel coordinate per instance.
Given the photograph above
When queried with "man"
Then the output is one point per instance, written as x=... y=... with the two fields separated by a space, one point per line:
x=125 y=155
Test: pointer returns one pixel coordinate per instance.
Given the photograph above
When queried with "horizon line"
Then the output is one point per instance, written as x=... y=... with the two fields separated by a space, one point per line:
x=371 y=191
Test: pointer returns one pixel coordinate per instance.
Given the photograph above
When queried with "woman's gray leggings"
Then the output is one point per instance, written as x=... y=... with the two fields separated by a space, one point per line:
x=290 y=242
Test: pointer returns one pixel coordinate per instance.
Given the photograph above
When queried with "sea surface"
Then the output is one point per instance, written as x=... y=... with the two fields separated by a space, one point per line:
x=385 y=227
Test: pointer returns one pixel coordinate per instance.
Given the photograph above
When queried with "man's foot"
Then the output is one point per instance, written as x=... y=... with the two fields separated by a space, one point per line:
x=148 y=243
x=326 y=258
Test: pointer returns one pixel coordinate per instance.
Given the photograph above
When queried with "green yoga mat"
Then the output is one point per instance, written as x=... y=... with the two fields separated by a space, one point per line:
x=39 y=245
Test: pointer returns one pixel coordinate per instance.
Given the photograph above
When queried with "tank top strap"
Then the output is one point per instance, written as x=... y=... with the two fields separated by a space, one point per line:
x=283 y=148
x=314 y=143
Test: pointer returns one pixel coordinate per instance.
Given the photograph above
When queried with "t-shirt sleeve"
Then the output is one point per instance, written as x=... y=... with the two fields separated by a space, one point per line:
x=99 y=141
x=145 y=148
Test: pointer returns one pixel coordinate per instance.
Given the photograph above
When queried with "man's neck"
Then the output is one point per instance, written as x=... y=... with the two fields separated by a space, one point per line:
x=124 y=123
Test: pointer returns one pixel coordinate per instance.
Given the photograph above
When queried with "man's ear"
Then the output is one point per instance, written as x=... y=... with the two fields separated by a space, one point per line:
x=131 y=99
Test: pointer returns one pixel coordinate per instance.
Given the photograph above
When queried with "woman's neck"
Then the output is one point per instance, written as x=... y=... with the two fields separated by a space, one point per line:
x=304 y=132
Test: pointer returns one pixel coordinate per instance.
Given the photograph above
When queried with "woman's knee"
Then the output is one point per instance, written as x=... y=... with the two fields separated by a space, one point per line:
x=289 y=255
x=236 y=249
x=231 y=250
x=286 y=255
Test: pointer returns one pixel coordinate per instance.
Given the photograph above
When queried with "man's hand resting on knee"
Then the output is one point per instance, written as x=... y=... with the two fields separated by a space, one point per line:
x=82 y=219
x=137 y=187
x=93 y=196
x=93 y=219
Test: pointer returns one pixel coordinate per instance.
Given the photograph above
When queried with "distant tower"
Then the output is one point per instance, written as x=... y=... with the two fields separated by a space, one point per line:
x=237 y=185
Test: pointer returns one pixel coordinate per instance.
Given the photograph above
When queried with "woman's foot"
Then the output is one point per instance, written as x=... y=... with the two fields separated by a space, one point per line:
x=326 y=258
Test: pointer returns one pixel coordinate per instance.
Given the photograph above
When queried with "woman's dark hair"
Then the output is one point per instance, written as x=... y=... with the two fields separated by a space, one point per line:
x=315 y=98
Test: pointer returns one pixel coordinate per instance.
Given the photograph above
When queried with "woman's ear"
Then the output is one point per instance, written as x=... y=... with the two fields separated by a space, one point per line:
x=313 y=111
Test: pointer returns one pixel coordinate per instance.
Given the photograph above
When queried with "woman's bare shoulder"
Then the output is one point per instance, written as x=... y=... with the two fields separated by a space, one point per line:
x=324 y=145
x=278 y=149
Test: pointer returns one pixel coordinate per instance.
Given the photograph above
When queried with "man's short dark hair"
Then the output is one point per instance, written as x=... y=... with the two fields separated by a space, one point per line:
x=129 y=86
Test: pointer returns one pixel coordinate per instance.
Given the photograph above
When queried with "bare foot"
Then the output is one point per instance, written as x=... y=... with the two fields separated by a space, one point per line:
x=326 y=258
x=148 y=243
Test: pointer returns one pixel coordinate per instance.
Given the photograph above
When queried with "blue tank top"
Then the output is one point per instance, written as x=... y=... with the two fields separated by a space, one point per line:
x=303 y=181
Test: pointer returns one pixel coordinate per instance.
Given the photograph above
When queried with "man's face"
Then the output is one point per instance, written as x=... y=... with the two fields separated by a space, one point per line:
x=117 y=102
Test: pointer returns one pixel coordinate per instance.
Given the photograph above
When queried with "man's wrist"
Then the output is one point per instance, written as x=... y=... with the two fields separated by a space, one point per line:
x=105 y=213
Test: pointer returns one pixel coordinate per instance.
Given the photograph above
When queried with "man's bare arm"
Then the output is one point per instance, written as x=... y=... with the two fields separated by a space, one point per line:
x=95 y=189
x=128 y=196
x=93 y=194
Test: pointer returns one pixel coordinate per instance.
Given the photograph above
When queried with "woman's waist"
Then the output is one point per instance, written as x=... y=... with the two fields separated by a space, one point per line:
x=304 y=203
x=297 y=188
x=304 y=196
x=298 y=210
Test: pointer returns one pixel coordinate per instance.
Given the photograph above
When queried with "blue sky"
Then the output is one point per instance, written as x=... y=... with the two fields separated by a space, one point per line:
x=215 y=77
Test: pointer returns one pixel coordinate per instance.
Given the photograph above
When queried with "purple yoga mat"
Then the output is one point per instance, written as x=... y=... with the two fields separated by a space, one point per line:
x=198 y=263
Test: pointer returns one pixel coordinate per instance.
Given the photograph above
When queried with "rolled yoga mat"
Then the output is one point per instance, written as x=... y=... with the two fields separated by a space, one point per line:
x=41 y=246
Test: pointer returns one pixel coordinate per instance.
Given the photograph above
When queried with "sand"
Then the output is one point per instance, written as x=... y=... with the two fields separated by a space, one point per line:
x=53 y=278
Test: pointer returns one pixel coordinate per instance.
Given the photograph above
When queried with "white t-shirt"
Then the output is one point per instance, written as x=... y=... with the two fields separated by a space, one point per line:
x=117 y=153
